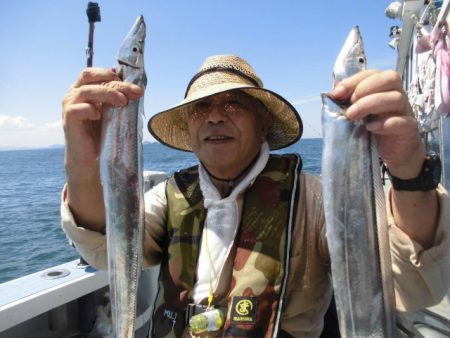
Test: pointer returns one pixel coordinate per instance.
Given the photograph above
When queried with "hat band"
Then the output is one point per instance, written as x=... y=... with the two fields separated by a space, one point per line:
x=215 y=69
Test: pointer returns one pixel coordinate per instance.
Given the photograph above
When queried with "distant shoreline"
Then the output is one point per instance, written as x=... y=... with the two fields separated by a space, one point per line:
x=56 y=146
x=61 y=146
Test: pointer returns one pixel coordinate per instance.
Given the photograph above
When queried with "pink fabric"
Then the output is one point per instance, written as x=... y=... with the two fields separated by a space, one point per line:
x=439 y=43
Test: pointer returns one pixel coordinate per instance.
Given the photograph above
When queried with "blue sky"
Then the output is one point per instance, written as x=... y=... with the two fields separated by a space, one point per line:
x=291 y=44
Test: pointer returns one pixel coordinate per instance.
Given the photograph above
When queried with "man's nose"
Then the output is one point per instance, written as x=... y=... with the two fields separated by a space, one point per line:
x=217 y=114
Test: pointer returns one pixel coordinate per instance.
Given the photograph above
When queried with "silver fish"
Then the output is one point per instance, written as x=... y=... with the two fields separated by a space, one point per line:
x=351 y=58
x=122 y=179
x=444 y=145
x=355 y=212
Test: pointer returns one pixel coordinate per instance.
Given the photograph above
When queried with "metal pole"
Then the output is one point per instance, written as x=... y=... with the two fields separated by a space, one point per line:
x=86 y=303
x=93 y=13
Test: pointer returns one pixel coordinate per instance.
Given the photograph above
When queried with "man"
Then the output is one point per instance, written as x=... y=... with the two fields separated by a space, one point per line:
x=244 y=231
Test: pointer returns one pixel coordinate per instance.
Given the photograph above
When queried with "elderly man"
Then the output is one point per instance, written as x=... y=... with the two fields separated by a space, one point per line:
x=220 y=230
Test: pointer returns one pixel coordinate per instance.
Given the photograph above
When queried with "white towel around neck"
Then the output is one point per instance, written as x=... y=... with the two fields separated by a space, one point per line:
x=221 y=225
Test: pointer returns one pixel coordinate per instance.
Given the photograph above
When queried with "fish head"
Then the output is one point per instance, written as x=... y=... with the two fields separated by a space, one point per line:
x=351 y=59
x=131 y=52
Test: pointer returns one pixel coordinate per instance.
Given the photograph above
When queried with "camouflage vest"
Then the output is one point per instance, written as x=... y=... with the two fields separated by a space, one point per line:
x=261 y=254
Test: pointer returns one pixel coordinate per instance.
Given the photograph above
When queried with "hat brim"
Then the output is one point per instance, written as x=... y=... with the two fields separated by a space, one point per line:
x=170 y=126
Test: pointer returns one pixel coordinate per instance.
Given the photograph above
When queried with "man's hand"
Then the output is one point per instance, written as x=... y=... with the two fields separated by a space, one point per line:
x=378 y=97
x=83 y=105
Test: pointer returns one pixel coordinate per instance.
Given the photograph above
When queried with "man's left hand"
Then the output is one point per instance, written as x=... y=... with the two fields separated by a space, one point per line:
x=378 y=96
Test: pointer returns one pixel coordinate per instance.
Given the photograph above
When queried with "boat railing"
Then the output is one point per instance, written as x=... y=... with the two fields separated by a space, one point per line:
x=71 y=299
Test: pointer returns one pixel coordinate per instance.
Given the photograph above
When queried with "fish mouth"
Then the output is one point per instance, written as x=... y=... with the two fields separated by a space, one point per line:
x=139 y=26
x=128 y=64
x=131 y=53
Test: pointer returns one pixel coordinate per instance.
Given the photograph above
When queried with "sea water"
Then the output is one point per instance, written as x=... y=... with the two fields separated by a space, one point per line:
x=31 y=238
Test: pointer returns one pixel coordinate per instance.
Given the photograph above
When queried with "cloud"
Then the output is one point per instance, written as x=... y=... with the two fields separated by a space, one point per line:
x=53 y=125
x=18 y=131
x=19 y=123
x=14 y=123
x=5 y=85
x=307 y=99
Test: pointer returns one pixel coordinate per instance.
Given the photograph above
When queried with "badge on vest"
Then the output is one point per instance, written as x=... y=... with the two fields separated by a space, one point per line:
x=243 y=310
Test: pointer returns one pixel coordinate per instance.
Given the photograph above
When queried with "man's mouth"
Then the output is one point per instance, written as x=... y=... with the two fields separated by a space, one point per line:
x=218 y=138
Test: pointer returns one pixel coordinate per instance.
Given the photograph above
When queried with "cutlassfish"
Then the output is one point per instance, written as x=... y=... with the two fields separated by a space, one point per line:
x=122 y=180
x=355 y=212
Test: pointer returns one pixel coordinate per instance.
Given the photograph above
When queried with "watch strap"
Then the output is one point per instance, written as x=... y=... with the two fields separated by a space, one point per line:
x=428 y=178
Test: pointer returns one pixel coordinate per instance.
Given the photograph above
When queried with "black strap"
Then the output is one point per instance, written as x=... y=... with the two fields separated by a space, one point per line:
x=224 y=69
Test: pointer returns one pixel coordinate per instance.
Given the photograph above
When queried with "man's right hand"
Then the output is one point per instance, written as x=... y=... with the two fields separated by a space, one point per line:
x=83 y=105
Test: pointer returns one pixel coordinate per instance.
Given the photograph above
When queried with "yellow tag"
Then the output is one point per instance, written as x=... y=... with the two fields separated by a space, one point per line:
x=209 y=321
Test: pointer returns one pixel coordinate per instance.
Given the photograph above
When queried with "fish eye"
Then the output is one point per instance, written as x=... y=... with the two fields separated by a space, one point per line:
x=135 y=49
x=361 y=60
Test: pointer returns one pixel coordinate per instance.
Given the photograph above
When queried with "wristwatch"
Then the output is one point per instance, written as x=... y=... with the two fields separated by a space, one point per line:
x=428 y=179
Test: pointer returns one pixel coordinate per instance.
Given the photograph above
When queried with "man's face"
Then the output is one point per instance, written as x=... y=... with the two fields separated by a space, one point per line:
x=226 y=132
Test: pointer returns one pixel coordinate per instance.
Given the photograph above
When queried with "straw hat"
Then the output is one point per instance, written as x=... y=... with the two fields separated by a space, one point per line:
x=219 y=74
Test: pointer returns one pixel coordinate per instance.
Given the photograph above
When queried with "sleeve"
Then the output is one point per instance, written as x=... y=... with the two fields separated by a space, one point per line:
x=155 y=229
x=421 y=277
x=91 y=245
